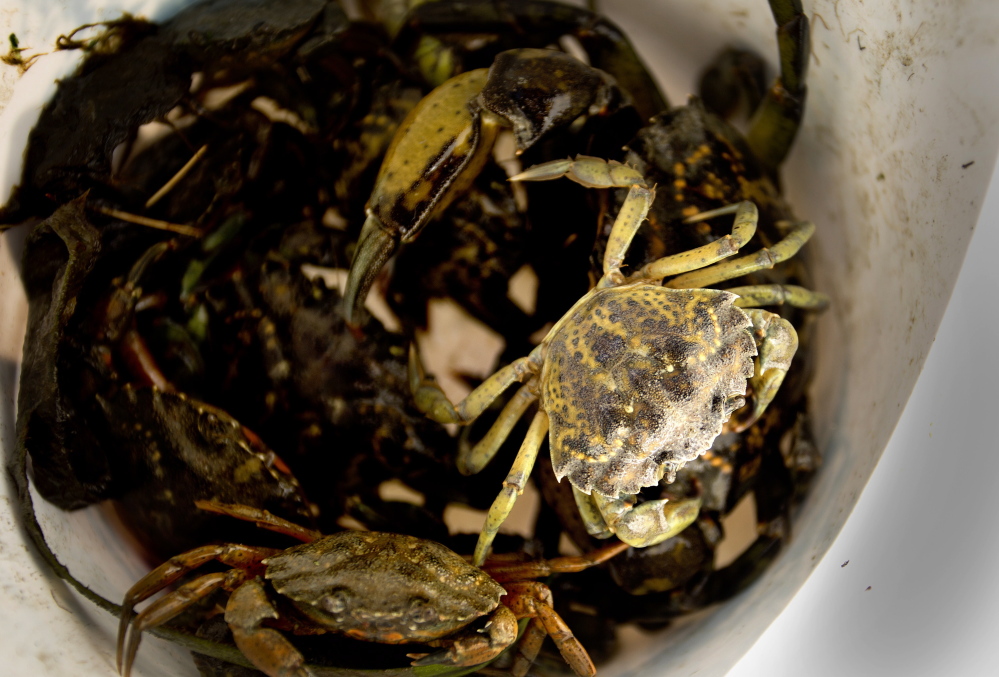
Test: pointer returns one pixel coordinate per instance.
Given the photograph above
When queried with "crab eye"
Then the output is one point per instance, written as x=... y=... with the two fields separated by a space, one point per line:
x=335 y=603
x=213 y=429
x=421 y=612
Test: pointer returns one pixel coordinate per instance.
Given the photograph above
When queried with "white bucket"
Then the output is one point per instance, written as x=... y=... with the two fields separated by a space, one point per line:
x=892 y=164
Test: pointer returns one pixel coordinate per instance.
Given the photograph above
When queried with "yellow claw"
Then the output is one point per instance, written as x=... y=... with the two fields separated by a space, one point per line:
x=642 y=525
x=776 y=342
x=438 y=150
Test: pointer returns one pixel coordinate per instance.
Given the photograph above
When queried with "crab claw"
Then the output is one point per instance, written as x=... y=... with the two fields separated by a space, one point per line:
x=649 y=523
x=374 y=248
x=776 y=342
x=476 y=648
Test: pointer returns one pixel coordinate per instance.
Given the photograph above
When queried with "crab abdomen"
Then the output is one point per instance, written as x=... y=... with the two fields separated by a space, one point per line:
x=640 y=380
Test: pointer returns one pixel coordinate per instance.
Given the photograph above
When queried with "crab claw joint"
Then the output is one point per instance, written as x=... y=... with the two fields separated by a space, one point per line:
x=374 y=248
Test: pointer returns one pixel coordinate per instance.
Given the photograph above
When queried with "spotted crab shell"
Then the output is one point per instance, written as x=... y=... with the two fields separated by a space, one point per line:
x=641 y=380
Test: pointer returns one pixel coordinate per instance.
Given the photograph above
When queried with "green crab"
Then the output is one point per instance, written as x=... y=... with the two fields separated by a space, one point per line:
x=638 y=377
x=377 y=587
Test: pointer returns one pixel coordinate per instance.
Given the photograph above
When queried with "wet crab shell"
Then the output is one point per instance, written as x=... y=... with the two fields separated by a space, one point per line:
x=641 y=380
x=380 y=587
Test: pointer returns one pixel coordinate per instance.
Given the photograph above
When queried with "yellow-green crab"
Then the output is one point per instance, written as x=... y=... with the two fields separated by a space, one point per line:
x=638 y=377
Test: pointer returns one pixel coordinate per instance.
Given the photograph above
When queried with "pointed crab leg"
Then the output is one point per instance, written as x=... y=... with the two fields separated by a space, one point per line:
x=763 y=259
x=755 y=295
x=513 y=486
x=518 y=571
x=242 y=556
x=593 y=172
x=531 y=599
x=743 y=229
x=432 y=401
x=776 y=121
x=262 y=519
x=169 y=606
x=471 y=460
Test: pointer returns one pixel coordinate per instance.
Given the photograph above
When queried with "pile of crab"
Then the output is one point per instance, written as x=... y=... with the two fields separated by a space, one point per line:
x=217 y=201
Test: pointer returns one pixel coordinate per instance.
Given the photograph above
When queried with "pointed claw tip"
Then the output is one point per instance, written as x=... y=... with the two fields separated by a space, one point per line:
x=122 y=631
x=374 y=248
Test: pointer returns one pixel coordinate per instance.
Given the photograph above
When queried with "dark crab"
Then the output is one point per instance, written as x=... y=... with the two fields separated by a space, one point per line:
x=98 y=416
x=377 y=587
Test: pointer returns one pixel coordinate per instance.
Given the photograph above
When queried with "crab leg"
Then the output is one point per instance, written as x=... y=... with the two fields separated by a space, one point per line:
x=471 y=460
x=633 y=212
x=242 y=556
x=530 y=599
x=763 y=259
x=587 y=171
x=432 y=401
x=265 y=647
x=593 y=172
x=743 y=229
x=528 y=647
x=779 y=294
x=261 y=518
x=775 y=123
x=513 y=486
x=162 y=610
x=518 y=571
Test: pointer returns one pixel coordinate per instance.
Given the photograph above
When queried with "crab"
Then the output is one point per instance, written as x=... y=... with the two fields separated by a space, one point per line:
x=445 y=141
x=378 y=587
x=638 y=377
